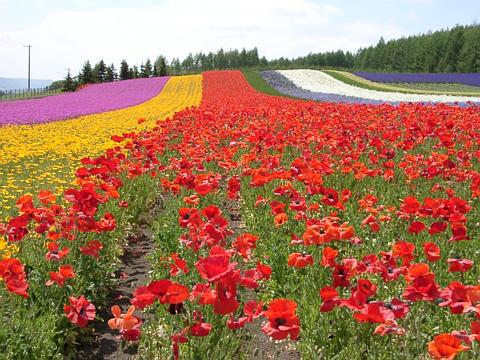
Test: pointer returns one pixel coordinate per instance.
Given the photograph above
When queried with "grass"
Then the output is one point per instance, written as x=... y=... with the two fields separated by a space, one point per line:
x=447 y=87
x=258 y=83
x=29 y=95
x=357 y=81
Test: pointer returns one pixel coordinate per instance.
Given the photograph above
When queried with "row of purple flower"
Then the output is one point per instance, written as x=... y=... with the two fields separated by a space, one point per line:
x=472 y=79
x=91 y=100
x=287 y=87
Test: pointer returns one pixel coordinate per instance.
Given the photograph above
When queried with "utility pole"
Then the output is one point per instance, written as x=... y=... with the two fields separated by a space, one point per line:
x=29 y=46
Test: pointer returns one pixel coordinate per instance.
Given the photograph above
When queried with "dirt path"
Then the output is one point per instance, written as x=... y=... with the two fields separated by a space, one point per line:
x=257 y=345
x=132 y=272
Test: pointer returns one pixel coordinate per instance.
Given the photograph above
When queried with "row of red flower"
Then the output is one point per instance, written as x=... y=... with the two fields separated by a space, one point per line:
x=239 y=137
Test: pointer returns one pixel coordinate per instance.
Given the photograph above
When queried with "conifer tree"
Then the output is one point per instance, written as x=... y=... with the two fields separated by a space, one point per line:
x=86 y=74
x=69 y=84
x=111 y=74
x=161 y=66
x=100 y=72
x=124 y=70
x=148 y=70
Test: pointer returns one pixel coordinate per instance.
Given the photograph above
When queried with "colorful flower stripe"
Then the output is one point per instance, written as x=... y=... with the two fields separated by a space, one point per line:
x=93 y=99
x=331 y=224
x=472 y=79
x=287 y=87
x=44 y=156
x=318 y=81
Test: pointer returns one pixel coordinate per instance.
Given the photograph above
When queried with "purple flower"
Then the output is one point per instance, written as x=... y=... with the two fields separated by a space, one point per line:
x=93 y=99
x=285 y=86
x=472 y=79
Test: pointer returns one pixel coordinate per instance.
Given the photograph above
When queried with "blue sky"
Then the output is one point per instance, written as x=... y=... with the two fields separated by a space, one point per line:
x=64 y=33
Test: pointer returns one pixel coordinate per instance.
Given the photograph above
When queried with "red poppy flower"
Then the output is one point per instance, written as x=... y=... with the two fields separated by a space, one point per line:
x=80 y=311
x=416 y=227
x=432 y=251
x=64 y=273
x=46 y=197
x=93 y=248
x=388 y=328
x=300 y=260
x=445 y=347
x=176 y=294
x=233 y=324
x=56 y=253
x=216 y=265
x=244 y=244
x=459 y=265
x=264 y=270
x=199 y=328
x=178 y=265
x=142 y=297
x=328 y=256
x=475 y=329
x=410 y=205
x=253 y=310
x=283 y=321
x=330 y=298
x=13 y=274
x=374 y=312
x=233 y=187
x=437 y=227
x=404 y=250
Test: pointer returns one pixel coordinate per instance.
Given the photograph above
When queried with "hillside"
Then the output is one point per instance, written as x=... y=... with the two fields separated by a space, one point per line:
x=19 y=83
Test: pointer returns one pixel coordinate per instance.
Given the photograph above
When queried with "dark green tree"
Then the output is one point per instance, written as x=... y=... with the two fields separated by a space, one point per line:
x=111 y=74
x=161 y=66
x=100 y=72
x=69 y=84
x=124 y=70
x=86 y=74
x=148 y=69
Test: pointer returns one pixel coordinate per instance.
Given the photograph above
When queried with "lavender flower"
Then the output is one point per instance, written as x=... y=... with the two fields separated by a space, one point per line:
x=93 y=99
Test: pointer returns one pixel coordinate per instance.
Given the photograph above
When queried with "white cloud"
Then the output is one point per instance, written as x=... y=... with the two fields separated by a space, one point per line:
x=176 y=27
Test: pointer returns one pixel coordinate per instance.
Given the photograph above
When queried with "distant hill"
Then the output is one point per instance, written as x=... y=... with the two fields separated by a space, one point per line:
x=11 y=83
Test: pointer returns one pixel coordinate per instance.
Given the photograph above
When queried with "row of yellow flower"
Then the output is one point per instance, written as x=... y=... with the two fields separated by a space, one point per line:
x=35 y=157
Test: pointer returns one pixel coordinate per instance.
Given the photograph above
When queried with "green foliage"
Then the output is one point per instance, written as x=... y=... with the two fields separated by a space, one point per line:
x=100 y=72
x=160 y=66
x=146 y=70
x=86 y=74
x=69 y=84
x=124 y=70
x=446 y=50
x=111 y=74
x=259 y=84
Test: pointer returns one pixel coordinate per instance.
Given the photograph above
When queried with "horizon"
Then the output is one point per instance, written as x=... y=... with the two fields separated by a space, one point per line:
x=115 y=30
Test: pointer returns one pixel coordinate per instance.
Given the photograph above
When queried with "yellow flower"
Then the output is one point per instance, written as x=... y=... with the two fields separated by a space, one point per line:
x=7 y=250
x=45 y=156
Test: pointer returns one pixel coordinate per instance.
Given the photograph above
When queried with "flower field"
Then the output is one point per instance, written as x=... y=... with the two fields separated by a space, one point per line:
x=285 y=86
x=472 y=79
x=323 y=83
x=288 y=229
x=93 y=99
x=35 y=157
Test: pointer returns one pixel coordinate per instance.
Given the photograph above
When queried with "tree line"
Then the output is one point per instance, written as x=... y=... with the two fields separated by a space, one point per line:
x=447 y=50
x=101 y=73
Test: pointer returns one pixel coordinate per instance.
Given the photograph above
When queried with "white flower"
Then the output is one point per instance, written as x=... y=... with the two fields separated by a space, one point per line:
x=318 y=81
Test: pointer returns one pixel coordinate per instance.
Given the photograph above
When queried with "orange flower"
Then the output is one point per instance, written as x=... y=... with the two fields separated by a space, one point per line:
x=281 y=219
x=121 y=321
x=445 y=347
